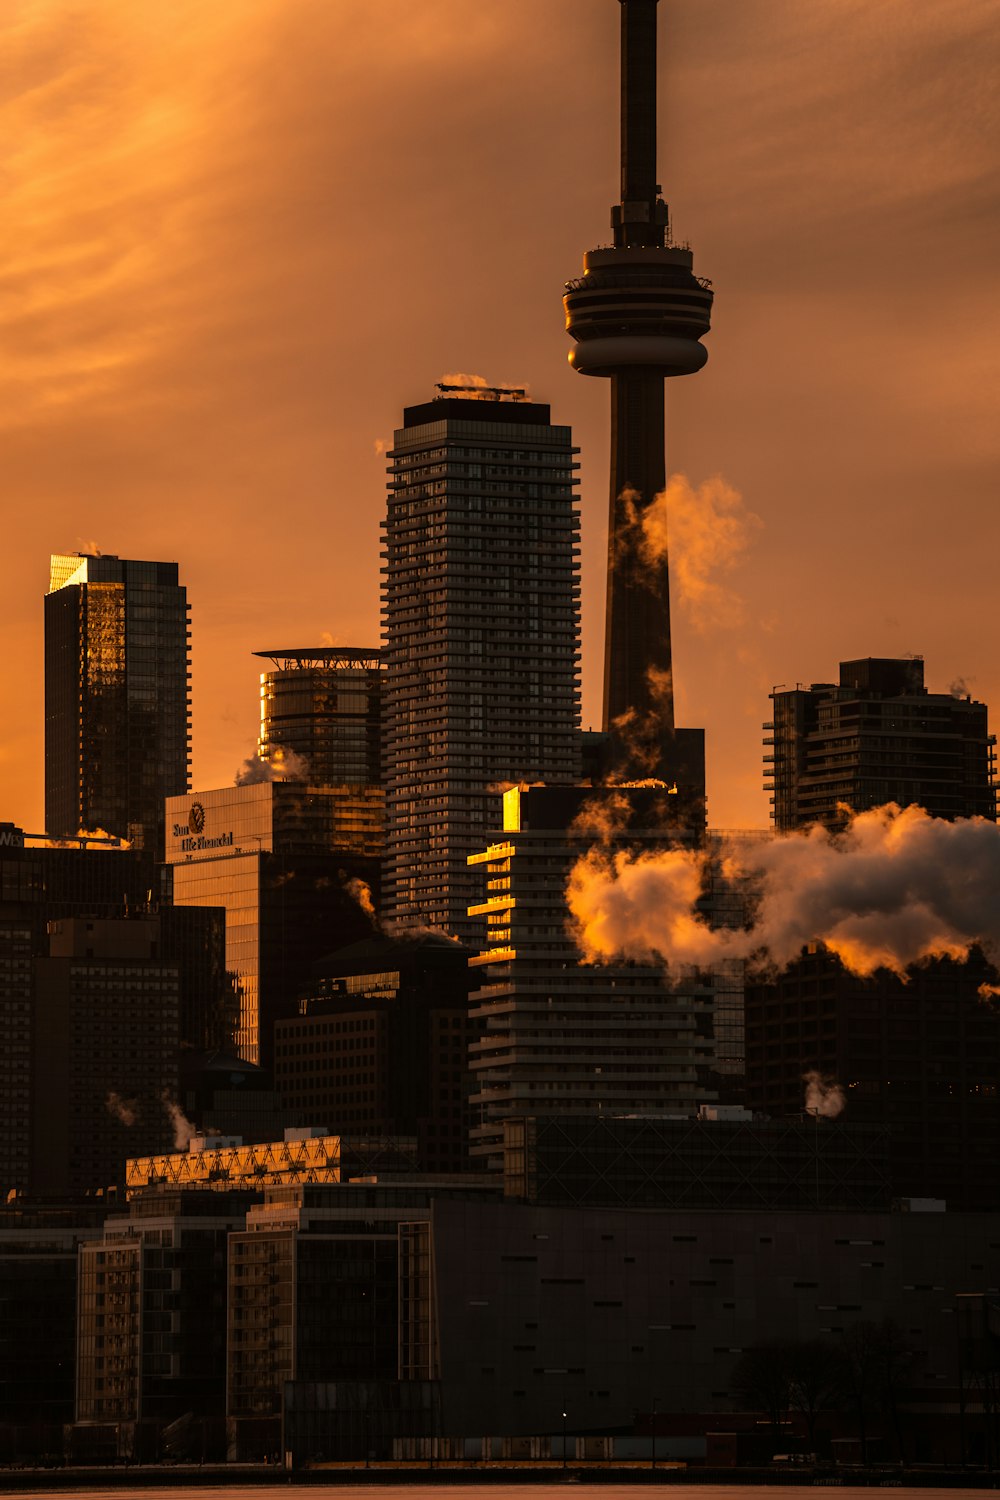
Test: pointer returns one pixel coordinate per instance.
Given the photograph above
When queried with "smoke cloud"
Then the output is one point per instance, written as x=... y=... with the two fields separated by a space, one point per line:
x=183 y=1129
x=283 y=765
x=705 y=530
x=896 y=888
x=360 y=891
x=824 y=1096
x=124 y=1110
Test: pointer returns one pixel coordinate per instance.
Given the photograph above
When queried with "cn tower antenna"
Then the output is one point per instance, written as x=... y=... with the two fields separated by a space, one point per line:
x=637 y=315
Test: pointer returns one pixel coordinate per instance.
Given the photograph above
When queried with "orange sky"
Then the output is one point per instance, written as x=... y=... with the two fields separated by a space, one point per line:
x=241 y=236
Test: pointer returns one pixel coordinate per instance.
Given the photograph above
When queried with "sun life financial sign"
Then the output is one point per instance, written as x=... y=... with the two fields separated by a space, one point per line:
x=191 y=834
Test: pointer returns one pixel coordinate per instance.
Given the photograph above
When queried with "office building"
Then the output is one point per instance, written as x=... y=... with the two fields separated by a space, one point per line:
x=380 y=1045
x=637 y=316
x=151 y=1317
x=322 y=706
x=560 y=1036
x=105 y=1043
x=876 y=736
x=40 y=886
x=532 y=1312
x=481 y=623
x=39 y=1241
x=920 y=1058
x=117 y=695
x=723 y=1159
x=295 y=868
x=314 y=1300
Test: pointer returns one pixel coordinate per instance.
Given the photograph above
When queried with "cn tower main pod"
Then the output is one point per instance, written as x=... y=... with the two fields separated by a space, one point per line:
x=638 y=314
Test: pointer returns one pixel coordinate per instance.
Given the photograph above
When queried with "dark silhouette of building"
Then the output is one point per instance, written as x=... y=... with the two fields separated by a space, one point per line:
x=380 y=1046
x=106 y=1037
x=921 y=1057
x=151 y=1316
x=638 y=315
x=877 y=736
x=323 y=705
x=295 y=868
x=481 y=620
x=42 y=886
x=724 y=1160
x=39 y=1242
x=117 y=714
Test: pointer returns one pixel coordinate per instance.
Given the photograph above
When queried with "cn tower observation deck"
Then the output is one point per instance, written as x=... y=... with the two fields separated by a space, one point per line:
x=637 y=315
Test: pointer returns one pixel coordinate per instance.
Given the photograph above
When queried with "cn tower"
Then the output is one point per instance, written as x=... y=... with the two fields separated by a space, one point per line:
x=638 y=314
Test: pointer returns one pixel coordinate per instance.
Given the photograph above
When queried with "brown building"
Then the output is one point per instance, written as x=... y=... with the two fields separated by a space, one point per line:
x=380 y=1046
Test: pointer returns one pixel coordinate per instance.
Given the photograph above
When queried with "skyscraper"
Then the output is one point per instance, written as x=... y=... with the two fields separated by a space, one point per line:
x=638 y=314
x=877 y=736
x=561 y=1037
x=920 y=1055
x=481 y=620
x=117 y=700
x=322 y=704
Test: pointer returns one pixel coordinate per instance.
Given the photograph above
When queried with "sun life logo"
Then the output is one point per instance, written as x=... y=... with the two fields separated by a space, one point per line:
x=196 y=817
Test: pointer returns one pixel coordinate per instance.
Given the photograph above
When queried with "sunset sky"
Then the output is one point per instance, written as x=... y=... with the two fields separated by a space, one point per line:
x=240 y=236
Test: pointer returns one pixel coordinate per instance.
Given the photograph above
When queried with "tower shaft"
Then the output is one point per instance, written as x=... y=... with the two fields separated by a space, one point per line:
x=637 y=650
x=638 y=315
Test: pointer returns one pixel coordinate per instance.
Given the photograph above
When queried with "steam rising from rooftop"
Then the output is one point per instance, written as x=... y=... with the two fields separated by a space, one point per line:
x=896 y=888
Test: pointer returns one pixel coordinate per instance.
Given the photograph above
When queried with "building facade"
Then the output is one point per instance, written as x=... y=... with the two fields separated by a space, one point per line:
x=481 y=626
x=294 y=867
x=560 y=1036
x=117 y=695
x=877 y=736
x=151 y=1311
x=323 y=705
x=42 y=886
x=920 y=1058
x=380 y=1046
x=105 y=1051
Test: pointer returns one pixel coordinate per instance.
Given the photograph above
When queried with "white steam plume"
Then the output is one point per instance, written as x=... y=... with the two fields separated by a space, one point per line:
x=126 y=1111
x=896 y=888
x=705 y=531
x=183 y=1129
x=824 y=1096
x=283 y=765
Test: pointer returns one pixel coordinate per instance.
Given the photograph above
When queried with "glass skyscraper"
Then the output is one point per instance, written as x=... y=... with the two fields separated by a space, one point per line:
x=117 y=711
x=481 y=621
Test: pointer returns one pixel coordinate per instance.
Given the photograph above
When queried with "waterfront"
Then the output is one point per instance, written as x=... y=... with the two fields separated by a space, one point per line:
x=389 y=1488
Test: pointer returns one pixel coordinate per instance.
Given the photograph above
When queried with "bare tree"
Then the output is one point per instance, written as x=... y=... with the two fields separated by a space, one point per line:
x=762 y=1379
x=814 y=1380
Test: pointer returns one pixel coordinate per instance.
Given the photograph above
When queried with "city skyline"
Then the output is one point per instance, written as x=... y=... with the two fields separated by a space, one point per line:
x=216 y=322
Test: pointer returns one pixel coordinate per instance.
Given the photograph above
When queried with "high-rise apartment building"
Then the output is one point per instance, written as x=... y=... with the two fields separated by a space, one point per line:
x=117 y=714
x=920 y=1056
x=322 y=705
x=877 y=736
x=481 y=620
x=562 y=1037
